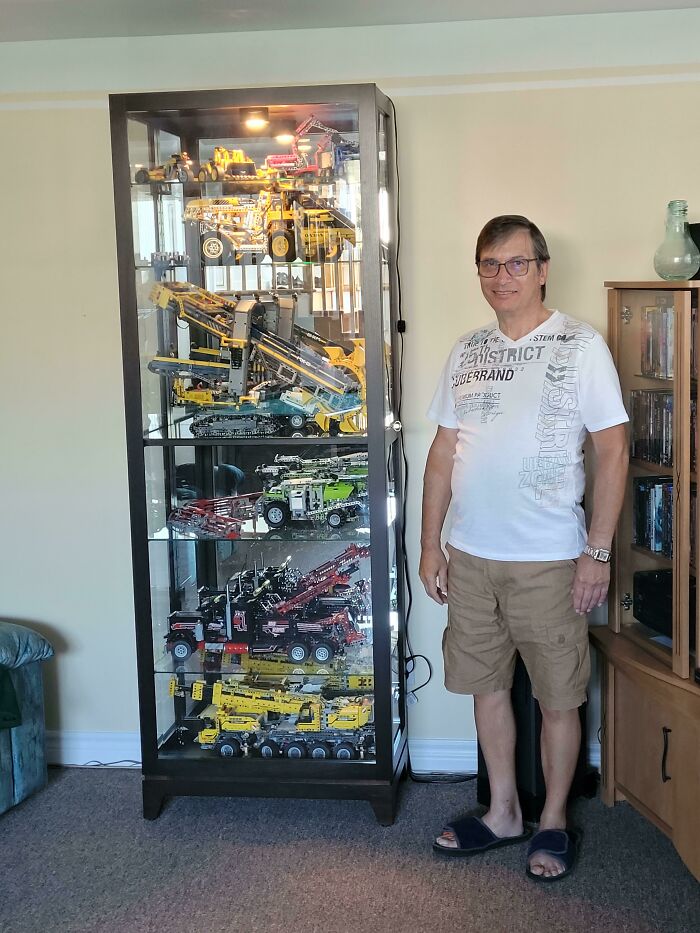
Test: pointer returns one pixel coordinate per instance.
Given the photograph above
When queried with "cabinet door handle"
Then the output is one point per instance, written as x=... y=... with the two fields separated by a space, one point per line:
x=664 y=776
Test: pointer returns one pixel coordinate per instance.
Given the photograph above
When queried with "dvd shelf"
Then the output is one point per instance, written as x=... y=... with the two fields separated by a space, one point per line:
x=652 y=332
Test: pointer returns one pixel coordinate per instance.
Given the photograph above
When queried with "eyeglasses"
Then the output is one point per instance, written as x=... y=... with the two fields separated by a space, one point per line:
x=489 y=268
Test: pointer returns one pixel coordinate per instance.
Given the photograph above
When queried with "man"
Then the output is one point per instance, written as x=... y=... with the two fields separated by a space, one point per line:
x=513 y=407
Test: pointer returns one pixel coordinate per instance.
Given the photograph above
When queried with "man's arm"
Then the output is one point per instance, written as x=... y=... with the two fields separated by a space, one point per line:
x=593 y=577
x=437 y=492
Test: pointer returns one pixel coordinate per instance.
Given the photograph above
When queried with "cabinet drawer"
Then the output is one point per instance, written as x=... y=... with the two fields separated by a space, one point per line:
x=644 y=747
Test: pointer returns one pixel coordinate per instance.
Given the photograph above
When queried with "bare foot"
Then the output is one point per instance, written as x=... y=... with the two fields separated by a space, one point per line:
x=501 y=824
x=541 y=863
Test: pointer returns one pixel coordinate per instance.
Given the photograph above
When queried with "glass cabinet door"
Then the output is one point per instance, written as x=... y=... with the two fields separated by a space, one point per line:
x=248 y=401
x=247 y=238
x=654 y=573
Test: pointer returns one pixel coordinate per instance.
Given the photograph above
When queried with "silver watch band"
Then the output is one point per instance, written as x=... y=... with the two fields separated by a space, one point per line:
x=597 y=553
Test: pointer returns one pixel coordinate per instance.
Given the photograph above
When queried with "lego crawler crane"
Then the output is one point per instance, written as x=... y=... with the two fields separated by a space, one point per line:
x=277 y=610
x=306 y=391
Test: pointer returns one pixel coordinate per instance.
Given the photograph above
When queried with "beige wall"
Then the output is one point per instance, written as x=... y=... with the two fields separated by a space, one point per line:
x=593 y=162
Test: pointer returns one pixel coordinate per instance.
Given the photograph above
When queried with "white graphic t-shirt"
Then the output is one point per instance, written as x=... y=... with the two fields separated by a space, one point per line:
x=522 y=409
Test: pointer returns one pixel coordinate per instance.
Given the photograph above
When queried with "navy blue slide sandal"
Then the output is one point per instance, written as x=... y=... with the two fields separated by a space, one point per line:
x=561 y=844
x=474 y=837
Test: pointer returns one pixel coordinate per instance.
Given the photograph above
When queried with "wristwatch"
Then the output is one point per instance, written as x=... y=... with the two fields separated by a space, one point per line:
x=598 y=553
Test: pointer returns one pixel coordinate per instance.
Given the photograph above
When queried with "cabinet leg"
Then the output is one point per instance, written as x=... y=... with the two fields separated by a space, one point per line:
x=153 y=799
x=385 y=808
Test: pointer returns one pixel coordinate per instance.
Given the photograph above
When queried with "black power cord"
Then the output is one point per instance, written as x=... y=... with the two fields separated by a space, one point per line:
x=423 y=777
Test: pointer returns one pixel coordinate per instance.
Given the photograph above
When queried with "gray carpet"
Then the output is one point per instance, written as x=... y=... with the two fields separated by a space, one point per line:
x=79 y=857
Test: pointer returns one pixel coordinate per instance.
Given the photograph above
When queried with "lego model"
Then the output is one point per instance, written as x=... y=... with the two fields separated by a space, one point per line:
x=337 y=676
x=331 y=151
x=177 y=168
x=259 y=382
x=217 y=518
x=227 y=163
x=274 y=723
x=284 y=224
x=331 y=489
x=277 y=610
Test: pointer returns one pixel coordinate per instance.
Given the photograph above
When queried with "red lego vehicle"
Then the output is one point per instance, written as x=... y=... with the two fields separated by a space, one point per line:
x=277 y=610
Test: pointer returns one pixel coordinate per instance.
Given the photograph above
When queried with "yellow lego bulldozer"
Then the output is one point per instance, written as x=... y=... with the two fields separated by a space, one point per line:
x=227 y=163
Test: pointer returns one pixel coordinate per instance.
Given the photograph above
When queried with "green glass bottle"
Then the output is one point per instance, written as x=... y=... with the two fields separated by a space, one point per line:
x=678 y=258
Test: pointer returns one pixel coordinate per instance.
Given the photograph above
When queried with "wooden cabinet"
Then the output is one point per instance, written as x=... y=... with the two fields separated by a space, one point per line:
x=652 y=332
x=651 y=702
x=647 y=733
x=651 y=741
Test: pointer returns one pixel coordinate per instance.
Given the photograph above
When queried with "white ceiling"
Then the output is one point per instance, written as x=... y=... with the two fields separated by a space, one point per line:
x=82 y=19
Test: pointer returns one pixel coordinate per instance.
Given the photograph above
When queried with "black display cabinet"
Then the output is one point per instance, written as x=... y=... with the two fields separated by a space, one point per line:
x=256 y=236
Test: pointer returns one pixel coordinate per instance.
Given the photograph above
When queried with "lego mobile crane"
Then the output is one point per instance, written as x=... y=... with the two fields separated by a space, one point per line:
x=298 y=389
x=241 y=720
x=277 y=610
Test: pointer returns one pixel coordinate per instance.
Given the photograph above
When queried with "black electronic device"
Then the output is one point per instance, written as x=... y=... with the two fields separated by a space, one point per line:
x=652 y=597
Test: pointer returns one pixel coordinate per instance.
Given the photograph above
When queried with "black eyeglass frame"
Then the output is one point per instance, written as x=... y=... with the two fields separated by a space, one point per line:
x=505 y=265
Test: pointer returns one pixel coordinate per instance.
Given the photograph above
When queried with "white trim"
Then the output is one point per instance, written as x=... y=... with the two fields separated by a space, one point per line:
x=102 y=104
x=483 y=87
x=430 y=90
x=459 y=756
x=93 y=749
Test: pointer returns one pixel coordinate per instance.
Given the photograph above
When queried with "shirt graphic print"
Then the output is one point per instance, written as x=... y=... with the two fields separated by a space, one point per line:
x=522 y=409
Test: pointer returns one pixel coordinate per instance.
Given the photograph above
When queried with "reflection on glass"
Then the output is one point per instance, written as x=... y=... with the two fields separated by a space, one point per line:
x=250 y=311
x=646 y=359
x=301 y=622
x=259 y=492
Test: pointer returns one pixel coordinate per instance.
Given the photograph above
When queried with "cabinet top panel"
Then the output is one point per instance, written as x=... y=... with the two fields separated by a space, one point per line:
x=655 y=285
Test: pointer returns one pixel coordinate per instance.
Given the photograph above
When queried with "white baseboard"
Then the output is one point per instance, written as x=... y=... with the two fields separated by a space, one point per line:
x=93 y=749
x=459 y=756
x=123 y=749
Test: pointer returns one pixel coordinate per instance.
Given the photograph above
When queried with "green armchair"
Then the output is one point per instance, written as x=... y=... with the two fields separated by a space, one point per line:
x=22 y=730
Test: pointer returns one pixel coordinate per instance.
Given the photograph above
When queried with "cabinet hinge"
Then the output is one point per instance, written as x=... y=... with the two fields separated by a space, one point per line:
x=626 y=314
x=626 y=601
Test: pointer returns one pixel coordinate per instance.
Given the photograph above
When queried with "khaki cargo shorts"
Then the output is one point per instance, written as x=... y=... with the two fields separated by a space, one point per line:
x=496 y=608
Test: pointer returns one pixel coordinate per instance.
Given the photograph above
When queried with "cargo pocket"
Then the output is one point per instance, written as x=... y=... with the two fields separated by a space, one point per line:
x=566 y=670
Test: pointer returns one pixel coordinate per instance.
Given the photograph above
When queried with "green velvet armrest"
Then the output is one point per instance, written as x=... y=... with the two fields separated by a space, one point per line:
x=20 y=645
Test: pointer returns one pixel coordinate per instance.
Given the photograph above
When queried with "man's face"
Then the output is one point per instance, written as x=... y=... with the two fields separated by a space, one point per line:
x=506 y=292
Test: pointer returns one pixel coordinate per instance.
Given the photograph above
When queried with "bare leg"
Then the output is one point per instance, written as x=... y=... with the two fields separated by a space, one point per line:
x=559 y=743
x=495 y=726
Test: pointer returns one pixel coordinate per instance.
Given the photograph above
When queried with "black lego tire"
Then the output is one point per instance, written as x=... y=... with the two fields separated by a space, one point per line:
x=297 y=652
x=276 y=514
x=295 y=750
x=229 y=748
x=323 y=652
x=181 y=649
x=281 y=246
